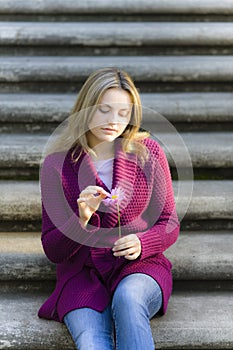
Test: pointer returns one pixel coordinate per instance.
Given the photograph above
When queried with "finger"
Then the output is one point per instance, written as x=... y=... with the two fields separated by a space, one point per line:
x=125 y=252
x=103 y=192
x=97 y=189
x=94 y=193
x=132 y=243
x=82 y=202
x=87 y=193
x=126 y=239
x=123 y=246
x=132 y=256
x=122 y=240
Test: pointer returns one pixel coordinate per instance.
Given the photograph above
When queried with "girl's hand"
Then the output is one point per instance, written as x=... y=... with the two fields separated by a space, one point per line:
x=128 y=246
x=89 y=201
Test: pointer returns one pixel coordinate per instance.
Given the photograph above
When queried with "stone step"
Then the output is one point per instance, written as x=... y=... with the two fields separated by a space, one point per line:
x=33 y=112
x=196 y=256
x=211 y=200
x=121 y=6
x=130 y=38
x=23 y=258
x=56 y=74
x=188 y=38
x=207 y=150
x=108 y=34
x=142 y=68
x=200 y=320
x=202 y=256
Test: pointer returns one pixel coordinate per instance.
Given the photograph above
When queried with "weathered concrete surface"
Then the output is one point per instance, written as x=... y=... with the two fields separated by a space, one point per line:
x=210 y=200
x=22 y=257
x=176 y=107
x=26 y=268
x=141 y=68
x=200 y=256
x=200 y=321
x=207 y=150
x=189 y=107
x=193 y=321
x=21 y=150
x=122 y=6
x=20 y=200
x=22 y=329
x=124 y=34
x=35 y=108
x=21 y=243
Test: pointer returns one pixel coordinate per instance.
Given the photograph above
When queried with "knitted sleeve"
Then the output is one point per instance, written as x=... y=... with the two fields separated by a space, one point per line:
x=164 y=228
x=62 y=233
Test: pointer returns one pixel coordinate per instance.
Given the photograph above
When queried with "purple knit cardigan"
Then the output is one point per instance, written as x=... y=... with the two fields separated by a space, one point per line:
x=148 y=211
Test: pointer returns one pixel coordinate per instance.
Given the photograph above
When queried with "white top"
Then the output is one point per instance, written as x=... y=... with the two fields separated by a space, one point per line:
x=105 y=169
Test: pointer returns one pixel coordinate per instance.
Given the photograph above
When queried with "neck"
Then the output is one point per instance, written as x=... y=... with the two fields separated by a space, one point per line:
x=103 y=150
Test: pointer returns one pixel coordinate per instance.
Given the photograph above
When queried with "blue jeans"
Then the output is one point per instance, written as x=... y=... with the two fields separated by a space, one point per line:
x=136 y=300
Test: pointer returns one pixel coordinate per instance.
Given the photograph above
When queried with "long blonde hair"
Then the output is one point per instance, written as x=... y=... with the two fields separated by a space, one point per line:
x=86 y=103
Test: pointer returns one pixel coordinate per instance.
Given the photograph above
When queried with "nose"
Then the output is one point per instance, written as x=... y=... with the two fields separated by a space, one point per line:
x=113 y=117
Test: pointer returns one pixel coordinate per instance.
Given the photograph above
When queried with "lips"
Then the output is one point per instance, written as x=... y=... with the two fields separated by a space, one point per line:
x=110 y=130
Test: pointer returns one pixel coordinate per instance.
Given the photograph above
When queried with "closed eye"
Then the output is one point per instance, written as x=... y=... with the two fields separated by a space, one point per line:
x=104 y=109
x=124 y=114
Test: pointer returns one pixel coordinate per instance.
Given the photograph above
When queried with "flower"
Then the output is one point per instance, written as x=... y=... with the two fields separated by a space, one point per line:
x=115 y=198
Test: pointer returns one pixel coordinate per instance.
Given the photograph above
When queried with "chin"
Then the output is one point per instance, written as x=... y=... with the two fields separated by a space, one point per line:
x=109 y=139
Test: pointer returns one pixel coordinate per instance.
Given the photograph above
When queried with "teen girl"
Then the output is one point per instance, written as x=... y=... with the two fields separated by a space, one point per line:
x=108 y=214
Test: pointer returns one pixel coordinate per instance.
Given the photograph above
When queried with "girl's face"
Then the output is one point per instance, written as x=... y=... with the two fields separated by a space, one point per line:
x=111 y=117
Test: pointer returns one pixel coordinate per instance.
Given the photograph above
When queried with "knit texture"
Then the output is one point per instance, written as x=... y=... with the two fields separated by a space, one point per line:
x=87 y=271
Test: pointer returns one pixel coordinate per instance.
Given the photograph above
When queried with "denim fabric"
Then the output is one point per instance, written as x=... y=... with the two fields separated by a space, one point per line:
x=125 y=323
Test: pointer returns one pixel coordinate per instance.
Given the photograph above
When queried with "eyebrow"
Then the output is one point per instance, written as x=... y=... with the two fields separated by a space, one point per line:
x=122 y=109
x=105 y=104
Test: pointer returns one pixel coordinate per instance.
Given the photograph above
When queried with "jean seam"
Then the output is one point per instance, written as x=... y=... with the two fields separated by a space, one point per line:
x=152 y=300
x=69 y=327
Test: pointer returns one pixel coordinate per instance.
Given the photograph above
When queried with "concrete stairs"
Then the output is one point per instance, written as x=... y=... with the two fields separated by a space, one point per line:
x=181 y=58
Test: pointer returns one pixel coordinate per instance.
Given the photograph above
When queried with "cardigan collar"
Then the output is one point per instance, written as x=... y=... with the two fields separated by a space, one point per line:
x=124 y=172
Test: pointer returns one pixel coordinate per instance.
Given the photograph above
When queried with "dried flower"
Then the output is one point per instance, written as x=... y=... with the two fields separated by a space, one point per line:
x=115 y=198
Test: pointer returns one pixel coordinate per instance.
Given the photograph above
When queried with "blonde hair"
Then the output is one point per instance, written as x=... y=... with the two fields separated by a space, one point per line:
x=74 y=135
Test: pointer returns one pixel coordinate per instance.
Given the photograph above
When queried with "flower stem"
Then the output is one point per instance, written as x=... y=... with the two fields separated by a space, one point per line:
x=119 y=220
